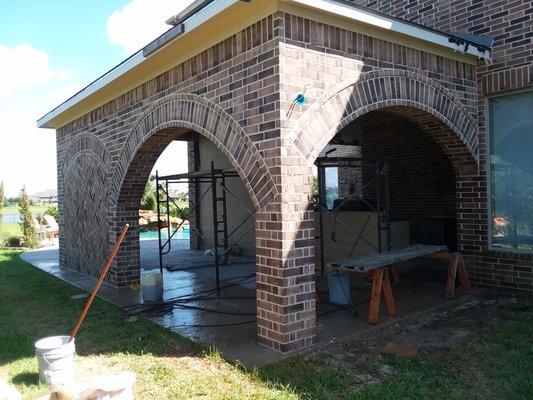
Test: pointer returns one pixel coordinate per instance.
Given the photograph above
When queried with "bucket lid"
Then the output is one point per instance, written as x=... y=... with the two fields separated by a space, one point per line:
x=52 y=342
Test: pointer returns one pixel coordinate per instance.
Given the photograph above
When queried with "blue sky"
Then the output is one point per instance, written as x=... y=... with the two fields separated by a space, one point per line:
x=48 y=51
x=73 y=33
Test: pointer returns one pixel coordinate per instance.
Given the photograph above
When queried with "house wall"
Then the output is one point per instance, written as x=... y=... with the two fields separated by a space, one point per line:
x=237 y=94
x=325 y=59
x=236 y=214
x=238 y=75
x=421 y=177
x=229 y=93
x=510 y=24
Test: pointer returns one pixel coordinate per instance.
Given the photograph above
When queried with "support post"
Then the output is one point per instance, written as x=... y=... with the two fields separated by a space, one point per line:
x=215 y=222
x=375 y=300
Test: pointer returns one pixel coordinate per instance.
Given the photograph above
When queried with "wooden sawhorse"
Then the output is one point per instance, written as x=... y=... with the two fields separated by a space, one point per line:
x=382 y=265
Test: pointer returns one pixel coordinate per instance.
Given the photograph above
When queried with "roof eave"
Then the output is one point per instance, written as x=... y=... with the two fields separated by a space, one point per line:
x=202 y=11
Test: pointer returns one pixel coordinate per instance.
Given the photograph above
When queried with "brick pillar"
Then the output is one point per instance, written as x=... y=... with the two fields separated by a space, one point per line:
x=286 y=309
x=472 y=225
x=127 y=266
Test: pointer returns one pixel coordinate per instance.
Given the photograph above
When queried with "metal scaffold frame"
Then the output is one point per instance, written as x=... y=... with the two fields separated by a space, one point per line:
x=380 y=180
x=215 y=179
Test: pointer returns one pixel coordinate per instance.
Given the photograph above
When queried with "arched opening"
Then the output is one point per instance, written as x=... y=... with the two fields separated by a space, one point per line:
x=194 y=266
x=173 y=118
x=389 y=180
x=222 y=145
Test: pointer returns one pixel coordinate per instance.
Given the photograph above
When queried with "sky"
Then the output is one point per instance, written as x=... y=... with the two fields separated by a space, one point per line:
x=48 y=51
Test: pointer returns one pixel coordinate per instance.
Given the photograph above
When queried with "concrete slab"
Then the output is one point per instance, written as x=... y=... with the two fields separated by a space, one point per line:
x=226 y=320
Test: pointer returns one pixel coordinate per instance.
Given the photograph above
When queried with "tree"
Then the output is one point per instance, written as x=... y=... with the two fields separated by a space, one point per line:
x=53 y=211
x=148 y=201
x=29 y=230
x=1 y=207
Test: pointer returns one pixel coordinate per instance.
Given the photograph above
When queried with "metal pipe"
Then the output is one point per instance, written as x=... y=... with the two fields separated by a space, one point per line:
x=215 y=223
x=158 y=221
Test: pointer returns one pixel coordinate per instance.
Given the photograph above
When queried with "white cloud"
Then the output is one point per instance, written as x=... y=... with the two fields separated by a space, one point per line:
x=60 y=95
x=173 y=160
x=141 y=21
x=24 y=66
x=27 y=154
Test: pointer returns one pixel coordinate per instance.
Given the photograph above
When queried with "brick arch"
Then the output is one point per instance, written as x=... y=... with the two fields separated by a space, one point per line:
x=387 y=88
x=193 y=112
x=86 y=143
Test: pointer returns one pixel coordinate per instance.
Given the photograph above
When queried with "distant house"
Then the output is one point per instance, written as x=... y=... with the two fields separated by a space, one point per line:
x=48 y=196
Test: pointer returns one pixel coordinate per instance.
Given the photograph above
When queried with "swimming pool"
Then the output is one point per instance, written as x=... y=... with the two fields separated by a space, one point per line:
x=183 y=233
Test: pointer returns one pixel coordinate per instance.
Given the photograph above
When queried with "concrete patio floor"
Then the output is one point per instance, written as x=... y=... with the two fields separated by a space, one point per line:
x=227 y=320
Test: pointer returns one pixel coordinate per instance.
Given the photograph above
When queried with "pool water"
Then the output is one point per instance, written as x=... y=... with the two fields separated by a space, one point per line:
x=183 y=233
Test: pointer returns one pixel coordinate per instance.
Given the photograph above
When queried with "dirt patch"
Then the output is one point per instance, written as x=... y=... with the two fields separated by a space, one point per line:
x=430 y=334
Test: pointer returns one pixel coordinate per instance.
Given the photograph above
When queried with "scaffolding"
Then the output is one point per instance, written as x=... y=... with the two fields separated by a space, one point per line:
x=377 y=178
x=215 y=179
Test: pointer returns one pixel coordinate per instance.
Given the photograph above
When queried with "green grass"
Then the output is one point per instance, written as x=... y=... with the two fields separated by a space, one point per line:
x=33 y=208
x=11 y=229
x=495 y=363
x=36 y=305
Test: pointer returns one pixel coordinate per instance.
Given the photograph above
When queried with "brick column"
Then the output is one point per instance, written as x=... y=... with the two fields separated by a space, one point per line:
x=126 y=269
x=286 y=310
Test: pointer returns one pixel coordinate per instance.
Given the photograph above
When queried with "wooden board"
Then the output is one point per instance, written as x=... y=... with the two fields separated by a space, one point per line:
x=386 y=258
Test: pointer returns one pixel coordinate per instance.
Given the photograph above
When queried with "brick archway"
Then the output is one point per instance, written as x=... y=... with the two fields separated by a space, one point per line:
x=387 y=88
x=161 y=123
x=195 y=113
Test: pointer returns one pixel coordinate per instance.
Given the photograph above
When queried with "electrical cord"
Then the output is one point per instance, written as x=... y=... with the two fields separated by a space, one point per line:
x=211 y=325
x=163 y=308
x=240 y=280
x=340 y=308
x=192 y=268
x=167 y=305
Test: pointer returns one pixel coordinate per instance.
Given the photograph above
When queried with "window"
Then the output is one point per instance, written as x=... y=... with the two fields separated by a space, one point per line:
x=511 y=171
x=332 y=186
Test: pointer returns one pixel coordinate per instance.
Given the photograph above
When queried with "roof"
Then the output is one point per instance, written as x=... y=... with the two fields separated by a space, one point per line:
x=46 y=193
x=156 y=56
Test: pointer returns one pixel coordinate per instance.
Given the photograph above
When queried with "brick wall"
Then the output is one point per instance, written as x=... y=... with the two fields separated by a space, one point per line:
x=238 y=76
x=510 y=24
x=421 y=177
x=237 y=95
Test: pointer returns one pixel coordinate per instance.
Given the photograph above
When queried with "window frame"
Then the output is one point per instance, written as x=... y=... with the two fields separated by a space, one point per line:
x=488 y=168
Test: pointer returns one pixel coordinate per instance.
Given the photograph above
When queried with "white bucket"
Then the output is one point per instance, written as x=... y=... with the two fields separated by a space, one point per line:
x=55 y=357
x=152 y=286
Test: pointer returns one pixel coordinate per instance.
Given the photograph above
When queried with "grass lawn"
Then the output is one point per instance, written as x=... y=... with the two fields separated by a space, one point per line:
x=494 y=363
x=11 y=229
x=33 y=208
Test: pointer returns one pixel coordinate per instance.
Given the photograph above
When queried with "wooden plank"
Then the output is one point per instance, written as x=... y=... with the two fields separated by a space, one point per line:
x=387 y=293
x=386 y=258
x=452 y=273
x=463 y=276
x=444 y=255
x=373 y=312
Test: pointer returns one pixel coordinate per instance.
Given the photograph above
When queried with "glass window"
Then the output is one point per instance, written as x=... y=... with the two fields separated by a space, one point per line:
x=511 y=171
x=332 y=186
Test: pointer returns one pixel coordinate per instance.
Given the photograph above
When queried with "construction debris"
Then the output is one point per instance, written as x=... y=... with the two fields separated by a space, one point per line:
x=106 y=387
x=399 y=349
